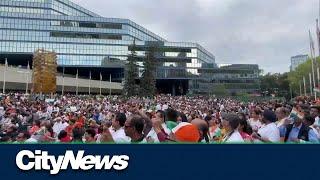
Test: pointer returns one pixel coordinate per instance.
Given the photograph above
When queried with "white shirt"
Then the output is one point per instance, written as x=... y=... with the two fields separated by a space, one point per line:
x=281 y=122
x=59 y=126
x=153 y=135
x=165 y=107
x=119 y=136
x=158 y=107
x=255 y=124
x=271 y=132
x=317 y=121
x=234 y=138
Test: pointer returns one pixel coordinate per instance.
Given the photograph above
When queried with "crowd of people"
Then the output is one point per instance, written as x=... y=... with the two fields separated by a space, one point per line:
x=162 y=119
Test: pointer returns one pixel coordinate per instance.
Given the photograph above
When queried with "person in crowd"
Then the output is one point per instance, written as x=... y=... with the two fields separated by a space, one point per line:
x=77 y=135
x=255 y=118
x=171 y=118
x=282 y=116
x=269 y=132
x=90 y=135
x=230 y=123
x=59 y=125
x=23 y=137
x=245 y=129
x=63 y=137
x=117 y=129
x=203 y=128
x=298 y=132
x=133 y=128
x=308 y=121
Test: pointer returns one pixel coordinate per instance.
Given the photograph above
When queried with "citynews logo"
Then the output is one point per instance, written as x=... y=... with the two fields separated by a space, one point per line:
x=40 y=160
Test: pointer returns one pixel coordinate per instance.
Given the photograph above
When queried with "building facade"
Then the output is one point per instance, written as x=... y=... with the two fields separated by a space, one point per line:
x=88 y=43
x=297 y=60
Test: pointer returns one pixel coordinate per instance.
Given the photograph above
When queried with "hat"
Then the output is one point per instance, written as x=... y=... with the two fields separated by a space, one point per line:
x=186 y=132
x=269 y=115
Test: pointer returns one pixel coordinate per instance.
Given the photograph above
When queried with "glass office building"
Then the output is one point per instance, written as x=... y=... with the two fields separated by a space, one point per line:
x=85 y=41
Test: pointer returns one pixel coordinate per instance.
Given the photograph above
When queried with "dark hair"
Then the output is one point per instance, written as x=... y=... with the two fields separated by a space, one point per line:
x=246 y=127
x=62 y=134
x=26 y=134
x=161 y=113
x=138 y=123
x=233 y=120
x=77 y=134
x=121 y=117
x=91 y=132
x=171 y=115
x=183 y=117
x=208 y=118
x=205 y=130
x=309 y=119
x=257 y=111
x=37 y=122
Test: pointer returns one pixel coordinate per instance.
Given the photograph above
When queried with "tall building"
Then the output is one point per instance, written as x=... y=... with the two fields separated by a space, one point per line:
x=297 y=60
x=86 y=42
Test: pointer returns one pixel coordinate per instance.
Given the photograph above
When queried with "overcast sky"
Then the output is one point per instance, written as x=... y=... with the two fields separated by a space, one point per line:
x=267 y=32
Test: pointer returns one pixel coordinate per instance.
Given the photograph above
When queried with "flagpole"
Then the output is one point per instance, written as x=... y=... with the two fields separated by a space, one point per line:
x=77 y=76
x=100 y=83
x=318 y=75
x=304 y=86
x=310 y=79
x=90 y=83
x=312 y=62
x=4 y=76
x=300 y=84
x=110 y=86
x=62 y=91
x=27 y=81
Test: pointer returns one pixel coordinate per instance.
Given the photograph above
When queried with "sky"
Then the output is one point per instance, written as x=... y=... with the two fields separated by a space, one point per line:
x=235 y=31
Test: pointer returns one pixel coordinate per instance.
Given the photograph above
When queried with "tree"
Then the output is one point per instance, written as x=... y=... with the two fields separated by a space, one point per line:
x=131 y=74
x=219 y=90
x=296 y=77
x=277 y=84
x=148 y=81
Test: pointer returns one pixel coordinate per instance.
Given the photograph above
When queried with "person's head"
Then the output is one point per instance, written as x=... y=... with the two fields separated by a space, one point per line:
x=37 y=123
x=255 y=114
x=203 y=127
x=63 y=134
x=244 y=126
x=268 y=117
x=281 y=113
x=230 y=122
x=242 y=116
x=314 y=111
x=171 y=115
x=119 y=120
x=23 y=136
x=160 y=115
x=77 y=134
x=308 y=120
x=90 y=135
x=134 y=126
x=12 y=129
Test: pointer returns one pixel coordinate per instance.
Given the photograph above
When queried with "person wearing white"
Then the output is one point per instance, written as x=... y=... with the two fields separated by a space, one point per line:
x=234 y=137
x=152 y=134
x=59 y=125
x=254 y=120
x=269 y=132
x=117 y=129
x=230 y=123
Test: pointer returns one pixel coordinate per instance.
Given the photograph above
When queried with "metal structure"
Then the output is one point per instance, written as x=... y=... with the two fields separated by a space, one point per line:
x=44 y=76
